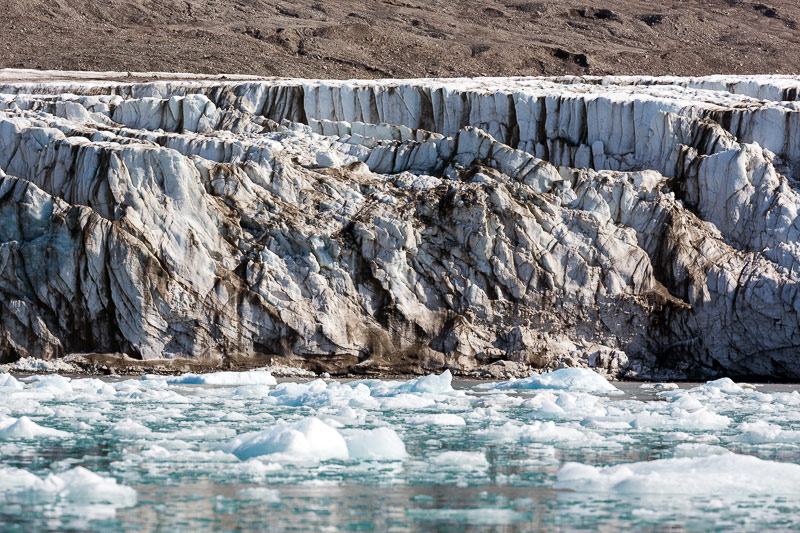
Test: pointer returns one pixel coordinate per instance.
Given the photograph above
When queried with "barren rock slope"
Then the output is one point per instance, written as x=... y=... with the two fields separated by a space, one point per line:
x=643 y=226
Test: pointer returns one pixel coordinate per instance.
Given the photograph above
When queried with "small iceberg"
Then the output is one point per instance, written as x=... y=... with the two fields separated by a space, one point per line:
x=571 y=379
x=25 y=428
x=311 y=439
x=76 y=486
x=711 y=475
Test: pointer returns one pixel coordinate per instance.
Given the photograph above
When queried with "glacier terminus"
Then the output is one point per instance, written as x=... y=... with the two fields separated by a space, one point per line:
x=645 y=227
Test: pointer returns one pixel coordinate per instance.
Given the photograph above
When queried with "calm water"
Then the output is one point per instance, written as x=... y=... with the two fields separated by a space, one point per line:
x=173 y=443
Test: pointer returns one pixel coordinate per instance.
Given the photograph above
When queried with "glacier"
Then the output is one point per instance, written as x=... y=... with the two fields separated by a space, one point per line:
x=643 y=227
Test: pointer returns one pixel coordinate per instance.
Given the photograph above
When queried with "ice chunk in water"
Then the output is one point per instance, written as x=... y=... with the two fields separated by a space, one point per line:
x=262 y=494
x=713 y=475
x=77 y=485
x=438 y=419
x=378 y=444
x=760 y=432
x=432 y=384
x=7 y=381
x=457 y=460
x=83 y=486
x=130 y=428
x=254 y=377
x=25 y=428
x=308 y=439
x=573 y=379
x=53 y=384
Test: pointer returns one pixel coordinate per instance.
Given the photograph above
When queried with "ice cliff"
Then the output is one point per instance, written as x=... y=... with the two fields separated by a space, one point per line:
x=642 y=226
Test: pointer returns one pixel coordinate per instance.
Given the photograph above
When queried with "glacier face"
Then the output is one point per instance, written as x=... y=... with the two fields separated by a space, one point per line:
x=641 y=226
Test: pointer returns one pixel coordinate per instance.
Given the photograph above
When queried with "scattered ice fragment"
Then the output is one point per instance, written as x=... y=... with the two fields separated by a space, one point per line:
x=698 y=449
x=725 y=385
x=761 y=432
x=262 y=494
x=76 y=486
x=432 y=384
x=25 y=428
x=459 y=460
x=7 y=381
x=130 y=428
x=52 y=384
x=481 y=516
x=573 y=379
x=438 y=419
x=658 y=387
x=308 y=439
x=700 y=419
x=712 y=475
x=381 y=444
x=253 y=377
x=83 y=486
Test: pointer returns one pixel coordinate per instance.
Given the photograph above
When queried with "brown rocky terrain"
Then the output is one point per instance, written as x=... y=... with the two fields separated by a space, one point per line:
x=402 y=38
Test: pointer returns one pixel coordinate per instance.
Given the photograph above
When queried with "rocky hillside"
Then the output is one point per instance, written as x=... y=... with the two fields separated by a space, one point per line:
x=404 y=38
x=646 y=227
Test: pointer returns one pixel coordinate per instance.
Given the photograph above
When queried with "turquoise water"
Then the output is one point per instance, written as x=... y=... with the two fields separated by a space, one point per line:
x=466 y=456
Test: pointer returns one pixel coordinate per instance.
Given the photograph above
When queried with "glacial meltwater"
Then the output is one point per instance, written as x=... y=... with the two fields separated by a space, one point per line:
x=239 y=451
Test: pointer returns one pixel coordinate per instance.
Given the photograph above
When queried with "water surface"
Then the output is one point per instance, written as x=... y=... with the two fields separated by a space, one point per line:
x=173 y=443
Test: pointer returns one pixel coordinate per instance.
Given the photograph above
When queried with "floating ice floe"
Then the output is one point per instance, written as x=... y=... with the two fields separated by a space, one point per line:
x=381 y=444
x=261 y=494
x=573 y=379
x=76 y=486
x=311 y=439
x=253 y=377
x=480 y=516
x=460 y=460
x=25 y=428
x=7 y=381
x=308 y=439
x=438 y=419
x=716 y=474
x=321 y=434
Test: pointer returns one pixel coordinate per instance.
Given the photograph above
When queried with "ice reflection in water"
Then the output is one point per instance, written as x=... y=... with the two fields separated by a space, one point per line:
x=477 y=458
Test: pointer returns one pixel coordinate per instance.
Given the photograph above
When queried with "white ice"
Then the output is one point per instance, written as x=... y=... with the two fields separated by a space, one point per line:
x=573 y=379
x=254 y=377
x=711 y=475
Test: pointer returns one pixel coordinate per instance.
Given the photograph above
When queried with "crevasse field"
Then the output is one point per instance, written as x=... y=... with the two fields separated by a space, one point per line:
x=234 y=451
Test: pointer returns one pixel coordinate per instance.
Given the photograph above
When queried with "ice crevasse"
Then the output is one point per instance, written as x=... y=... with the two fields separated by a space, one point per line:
x=639 y=226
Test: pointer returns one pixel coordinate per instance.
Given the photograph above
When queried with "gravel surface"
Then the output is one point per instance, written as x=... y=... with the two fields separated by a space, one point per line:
x=402 y=38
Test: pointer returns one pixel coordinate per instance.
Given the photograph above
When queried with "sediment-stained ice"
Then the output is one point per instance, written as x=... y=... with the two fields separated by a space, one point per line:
x=639 y=226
